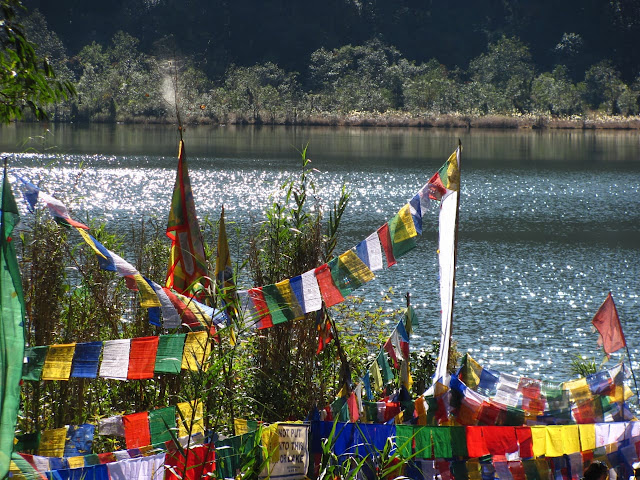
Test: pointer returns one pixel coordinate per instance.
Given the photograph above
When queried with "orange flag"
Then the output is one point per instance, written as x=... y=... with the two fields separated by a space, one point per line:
x=608 y=325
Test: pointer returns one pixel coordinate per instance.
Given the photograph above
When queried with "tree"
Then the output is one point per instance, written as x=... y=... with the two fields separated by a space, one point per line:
x=27 y=82
x=603 y=87
x=508 y=68
x=554 y=93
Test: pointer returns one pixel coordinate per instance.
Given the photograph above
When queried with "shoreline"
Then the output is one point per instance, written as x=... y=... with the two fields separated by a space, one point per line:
x=592 y=121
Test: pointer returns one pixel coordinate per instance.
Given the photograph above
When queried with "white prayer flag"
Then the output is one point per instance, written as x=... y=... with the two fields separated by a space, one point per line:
x=115 y=359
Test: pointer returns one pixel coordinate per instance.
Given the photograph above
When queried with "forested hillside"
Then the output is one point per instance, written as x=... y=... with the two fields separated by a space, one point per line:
x=286 y=61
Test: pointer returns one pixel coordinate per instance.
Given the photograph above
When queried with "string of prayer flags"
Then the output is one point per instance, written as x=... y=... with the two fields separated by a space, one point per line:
x=162 y=422
x=86 y=359
x=196 y=351
x=169 y=353
x=57 y=365
x=34 y=358
x=136 y=429
x=115 y=359
x=142 y=357
x=57 y=209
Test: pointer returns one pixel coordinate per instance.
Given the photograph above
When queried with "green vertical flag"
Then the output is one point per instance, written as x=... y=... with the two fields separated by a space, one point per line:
x=11 y=327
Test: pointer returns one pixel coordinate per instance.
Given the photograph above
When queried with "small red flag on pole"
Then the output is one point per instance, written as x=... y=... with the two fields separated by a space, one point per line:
x=607 y=323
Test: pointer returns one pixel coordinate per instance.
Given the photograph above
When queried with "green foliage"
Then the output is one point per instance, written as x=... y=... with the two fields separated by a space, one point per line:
x=603 y=87
x=506 y=71
x=554 y=93
x=582 y=367
x=27 y=81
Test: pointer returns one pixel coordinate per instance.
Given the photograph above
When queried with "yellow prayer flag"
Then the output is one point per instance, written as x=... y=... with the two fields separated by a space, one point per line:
x=270 y=444
x=76 y=462
x=240 y=426
x=196 y=351
x=587 y=436
x=193 y=420
x=570 y=439
x=356 y=267
x=148 y=296
x=374 y=370
x=539 y=437
x=421 y=410
x=555 y=447
x=578 y=390
x=52 y=442
x=620 y=394
x=405 y=228
x=471 y=373
x=473 y=469
x=284 y=287
x=57 y=365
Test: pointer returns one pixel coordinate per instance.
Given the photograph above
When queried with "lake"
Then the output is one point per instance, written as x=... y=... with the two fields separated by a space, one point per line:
x=549 y=220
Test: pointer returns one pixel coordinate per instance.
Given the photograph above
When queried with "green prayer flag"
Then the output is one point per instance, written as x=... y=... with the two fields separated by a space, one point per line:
x=161 y=422
x=410 y=319
x=404 y=439
x=278 y=307
x=387 y=374
x=442 y=442
x=229 y=453
x=169 y=354
x=32 y=368
x=459 y=441
x=11 y=327
x=424 y=443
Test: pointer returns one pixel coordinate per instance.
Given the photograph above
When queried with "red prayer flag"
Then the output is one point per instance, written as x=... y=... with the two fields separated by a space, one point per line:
x=525 y=440
x=200 y=463
x=385 y=240
x=186 y=315
x=142 y=357
x=136 y=430
x=330 y=293
x=476 y=445
x=608 y=325
x=500 y=440
x=260 y=305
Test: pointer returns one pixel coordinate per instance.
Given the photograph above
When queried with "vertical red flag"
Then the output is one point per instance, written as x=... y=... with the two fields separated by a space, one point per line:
x=608 y=325
x=187 y=272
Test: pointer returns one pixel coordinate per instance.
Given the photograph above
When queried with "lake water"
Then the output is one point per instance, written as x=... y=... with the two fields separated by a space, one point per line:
x=549 y=221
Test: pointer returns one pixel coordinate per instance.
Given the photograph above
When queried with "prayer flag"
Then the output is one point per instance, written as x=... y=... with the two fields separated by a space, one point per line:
x=385 y=240
x=278 y=307
x=196 y=351
x=187 y=265
x=169 y=354
x=402 y=232
x=190 y=419
x=370 y=252
x=79 y=440
x=86 y=359
x=307 y=292
x=352 y=271
x=170 y=316
x=325 y=332
x=261 y=307
x=330 y=293
x=607 y=323
x=111 y=426
x=445 y=187
x=115 y=359
x=416 y=213
x=142 y=357
x=52 y=442
x=286 y=292
x=447 y=178
x=57 y=365
x=162 y=422
x=34 y=358
x=136 y=430
x=11 y=326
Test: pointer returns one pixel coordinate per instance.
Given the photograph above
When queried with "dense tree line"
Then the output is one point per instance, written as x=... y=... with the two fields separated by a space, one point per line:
x=131 y=78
